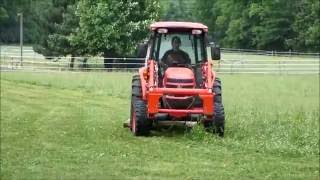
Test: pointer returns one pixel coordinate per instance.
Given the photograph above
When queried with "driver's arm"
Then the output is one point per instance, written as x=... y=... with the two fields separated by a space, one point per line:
x=186 y=57
x=164 y=58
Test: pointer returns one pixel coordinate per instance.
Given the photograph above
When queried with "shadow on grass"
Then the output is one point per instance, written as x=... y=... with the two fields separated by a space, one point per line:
x=196 y=133
x=170 y=131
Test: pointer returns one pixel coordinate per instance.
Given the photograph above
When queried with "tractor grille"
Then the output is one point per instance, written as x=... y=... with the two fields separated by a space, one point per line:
x=179 y=86
x=171 y=80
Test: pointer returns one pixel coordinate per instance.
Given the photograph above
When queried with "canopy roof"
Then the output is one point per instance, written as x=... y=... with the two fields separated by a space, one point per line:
x=178 y=25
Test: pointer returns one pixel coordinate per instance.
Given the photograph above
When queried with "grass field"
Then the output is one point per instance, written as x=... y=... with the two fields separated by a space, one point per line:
x=69 y=126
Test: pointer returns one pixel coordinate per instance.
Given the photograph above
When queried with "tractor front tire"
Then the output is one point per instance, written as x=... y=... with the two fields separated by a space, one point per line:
x=216 y=124
x=140 y=124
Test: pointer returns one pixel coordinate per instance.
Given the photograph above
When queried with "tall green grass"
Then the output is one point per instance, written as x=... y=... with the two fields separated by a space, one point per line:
x=69 y=126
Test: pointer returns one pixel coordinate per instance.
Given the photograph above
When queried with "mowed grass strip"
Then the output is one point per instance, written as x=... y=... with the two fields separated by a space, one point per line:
x=69 y=126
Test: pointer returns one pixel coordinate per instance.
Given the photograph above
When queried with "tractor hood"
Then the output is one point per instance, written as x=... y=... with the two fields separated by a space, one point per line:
x=179 y=77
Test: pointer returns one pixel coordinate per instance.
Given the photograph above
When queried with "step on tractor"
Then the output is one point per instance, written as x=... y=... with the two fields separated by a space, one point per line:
x=177 y=85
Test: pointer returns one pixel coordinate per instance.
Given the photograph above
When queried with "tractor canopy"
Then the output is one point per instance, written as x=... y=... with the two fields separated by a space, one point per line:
x=178 y=26
x=182 y=42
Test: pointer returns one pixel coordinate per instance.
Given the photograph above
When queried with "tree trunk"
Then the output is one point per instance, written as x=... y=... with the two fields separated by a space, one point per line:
x=85 y=65
x=72 y=61
x=107 y=55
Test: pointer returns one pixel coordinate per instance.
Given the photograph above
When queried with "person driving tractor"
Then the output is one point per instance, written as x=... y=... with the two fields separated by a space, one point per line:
x=175 y=55
x=183 y=94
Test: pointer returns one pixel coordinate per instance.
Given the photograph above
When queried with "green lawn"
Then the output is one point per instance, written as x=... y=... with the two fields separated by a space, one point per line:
x=69 y=126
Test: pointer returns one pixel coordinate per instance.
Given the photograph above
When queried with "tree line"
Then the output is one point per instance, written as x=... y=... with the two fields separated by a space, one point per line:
x=263 y=24
x=113 y=28
x=281 y=25
x=107 y=28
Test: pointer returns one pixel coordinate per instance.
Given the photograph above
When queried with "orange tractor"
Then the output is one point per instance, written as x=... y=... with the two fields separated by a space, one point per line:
x=177 y=85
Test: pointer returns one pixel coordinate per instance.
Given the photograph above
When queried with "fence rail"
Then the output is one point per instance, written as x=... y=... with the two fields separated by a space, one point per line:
x=229 y=64
x=270 y=53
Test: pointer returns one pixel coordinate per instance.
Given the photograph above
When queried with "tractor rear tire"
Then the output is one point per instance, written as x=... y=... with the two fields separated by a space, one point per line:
x=216 y=124
x=140 y=124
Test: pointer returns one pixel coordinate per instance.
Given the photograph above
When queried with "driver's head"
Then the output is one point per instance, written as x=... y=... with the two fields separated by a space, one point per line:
x=175 y=42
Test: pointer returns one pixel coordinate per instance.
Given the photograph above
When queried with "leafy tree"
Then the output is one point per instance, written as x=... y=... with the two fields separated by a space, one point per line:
x=224 y=19
x=275 y=25
x=61 y=22
x=57 y=23
x=269 y=24
x=306 y=26
x=9 y=22
x=60 y=39
x=177 y=10
x=3 y=14
x=237 y=24
x=113 y=28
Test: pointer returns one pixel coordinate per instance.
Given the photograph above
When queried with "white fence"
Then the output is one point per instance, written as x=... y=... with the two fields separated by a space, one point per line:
x=268 y=67
x=271 y=53
x=233 y=61
x=234 y=66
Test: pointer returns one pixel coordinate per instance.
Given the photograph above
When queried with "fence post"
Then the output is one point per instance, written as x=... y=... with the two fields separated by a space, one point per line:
x=32 y=64
x=11 y=62
x=280 y=67
x=290 y=52
x=231 y=68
